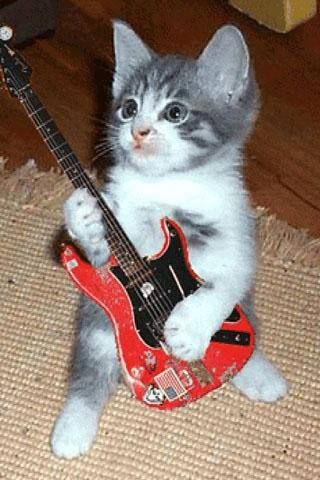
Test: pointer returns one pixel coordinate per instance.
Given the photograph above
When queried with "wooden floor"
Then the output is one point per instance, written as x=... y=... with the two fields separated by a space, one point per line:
x=72 y=75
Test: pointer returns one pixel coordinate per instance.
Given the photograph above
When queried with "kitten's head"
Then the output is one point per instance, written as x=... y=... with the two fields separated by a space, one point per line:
x=172 y=113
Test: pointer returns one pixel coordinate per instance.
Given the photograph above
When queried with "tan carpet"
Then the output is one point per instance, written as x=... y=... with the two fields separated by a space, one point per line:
x=222 y=436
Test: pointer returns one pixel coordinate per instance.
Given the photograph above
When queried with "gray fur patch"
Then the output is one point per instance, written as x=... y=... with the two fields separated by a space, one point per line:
x=247 y=305
x=199 y=142
x=93 y=378
x=197 y=231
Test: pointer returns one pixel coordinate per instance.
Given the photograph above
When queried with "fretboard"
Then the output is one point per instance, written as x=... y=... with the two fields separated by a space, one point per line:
x=119 y=244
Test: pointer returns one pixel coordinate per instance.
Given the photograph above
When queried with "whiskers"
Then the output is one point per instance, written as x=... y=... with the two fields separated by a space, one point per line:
x=155 y=145
x=104 y=148
x=109 y=140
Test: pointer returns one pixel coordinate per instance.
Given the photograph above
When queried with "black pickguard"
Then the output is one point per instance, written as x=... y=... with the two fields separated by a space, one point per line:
x=146 y=316
x=147 y=320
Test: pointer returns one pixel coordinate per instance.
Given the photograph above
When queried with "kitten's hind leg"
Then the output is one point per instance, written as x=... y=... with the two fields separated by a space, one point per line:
x=95 y=375
x=260 y=380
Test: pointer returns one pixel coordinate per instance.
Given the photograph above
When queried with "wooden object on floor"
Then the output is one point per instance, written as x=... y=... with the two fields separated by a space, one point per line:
x=73 y=69
x=279 y=15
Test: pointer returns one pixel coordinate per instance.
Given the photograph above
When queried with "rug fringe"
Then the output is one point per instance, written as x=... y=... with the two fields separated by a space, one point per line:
x=31 y=189
x=288 y=244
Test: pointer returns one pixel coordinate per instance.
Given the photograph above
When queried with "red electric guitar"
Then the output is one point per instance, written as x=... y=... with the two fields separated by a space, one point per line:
x=137 y=293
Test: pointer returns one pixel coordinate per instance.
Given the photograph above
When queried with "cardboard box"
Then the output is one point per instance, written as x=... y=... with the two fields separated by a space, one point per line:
x=279 y=15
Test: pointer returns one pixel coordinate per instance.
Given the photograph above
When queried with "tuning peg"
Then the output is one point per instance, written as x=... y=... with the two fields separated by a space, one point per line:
x=6 y=33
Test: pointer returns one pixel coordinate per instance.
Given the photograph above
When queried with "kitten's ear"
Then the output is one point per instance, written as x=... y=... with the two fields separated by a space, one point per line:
x=130 y=53
x=223 y=66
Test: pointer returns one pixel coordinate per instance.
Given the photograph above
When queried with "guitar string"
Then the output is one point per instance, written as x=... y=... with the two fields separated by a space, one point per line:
x=72 y=167
x=50 y=145
x=33 y=114
x=159 y=322
x=64 y=158
x=162 y=309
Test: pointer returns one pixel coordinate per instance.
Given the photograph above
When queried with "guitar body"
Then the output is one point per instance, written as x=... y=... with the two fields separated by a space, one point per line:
x=152 y=374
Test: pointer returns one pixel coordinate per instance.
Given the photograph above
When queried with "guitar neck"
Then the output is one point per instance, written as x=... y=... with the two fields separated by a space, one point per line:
x=119 y=244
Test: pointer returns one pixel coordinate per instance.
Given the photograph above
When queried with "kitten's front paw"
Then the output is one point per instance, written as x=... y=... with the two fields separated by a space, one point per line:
x=83 y=219
x=260 y=380
x=186 y=338
x=74 y=430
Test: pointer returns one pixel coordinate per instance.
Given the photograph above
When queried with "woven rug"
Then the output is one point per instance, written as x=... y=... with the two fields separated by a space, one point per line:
x=221 y=436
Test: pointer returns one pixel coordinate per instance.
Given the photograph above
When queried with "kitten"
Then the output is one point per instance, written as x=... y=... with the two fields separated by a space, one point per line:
x=177 y=129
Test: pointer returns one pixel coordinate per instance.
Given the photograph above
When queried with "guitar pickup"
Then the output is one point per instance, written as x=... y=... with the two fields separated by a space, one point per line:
x=231 y=337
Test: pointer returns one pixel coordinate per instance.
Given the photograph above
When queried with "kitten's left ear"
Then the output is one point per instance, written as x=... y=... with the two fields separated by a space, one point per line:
x=130 y=53
x=223 y=66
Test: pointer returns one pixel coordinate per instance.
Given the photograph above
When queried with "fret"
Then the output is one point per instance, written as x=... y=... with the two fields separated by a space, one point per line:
x=36 y=103
x=36 y=111
x=49 y=137
x=58 y=146
x=140 y=276
x=62 y=159
x=26 y=87
x=79 y=175
x=38 y=127
x=71 y=168
x=38 y=115
x=111 y=239
x=125 y=258
x=115 y=245
x=48 y=132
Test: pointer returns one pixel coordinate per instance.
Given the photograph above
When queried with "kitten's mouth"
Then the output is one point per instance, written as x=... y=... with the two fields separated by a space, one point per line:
x=143 y=148
x=137 y=146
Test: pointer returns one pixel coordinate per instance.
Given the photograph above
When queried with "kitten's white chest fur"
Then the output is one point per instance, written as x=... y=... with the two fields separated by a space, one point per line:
x=205 y=194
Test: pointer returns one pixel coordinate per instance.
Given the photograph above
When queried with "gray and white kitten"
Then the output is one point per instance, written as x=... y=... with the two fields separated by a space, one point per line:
x=177 y=129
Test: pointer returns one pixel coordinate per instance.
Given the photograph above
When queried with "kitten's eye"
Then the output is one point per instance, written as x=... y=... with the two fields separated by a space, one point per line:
x=128 y=110
x=176 y=112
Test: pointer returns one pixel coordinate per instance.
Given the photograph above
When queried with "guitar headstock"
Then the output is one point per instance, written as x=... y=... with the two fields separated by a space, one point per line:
x=15 y=71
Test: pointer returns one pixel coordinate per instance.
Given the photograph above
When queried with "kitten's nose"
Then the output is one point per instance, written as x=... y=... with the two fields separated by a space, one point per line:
x=141 y=133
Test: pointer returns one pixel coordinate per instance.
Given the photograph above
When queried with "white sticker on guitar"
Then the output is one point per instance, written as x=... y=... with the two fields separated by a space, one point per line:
x=146 y=289
x=72 y=264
